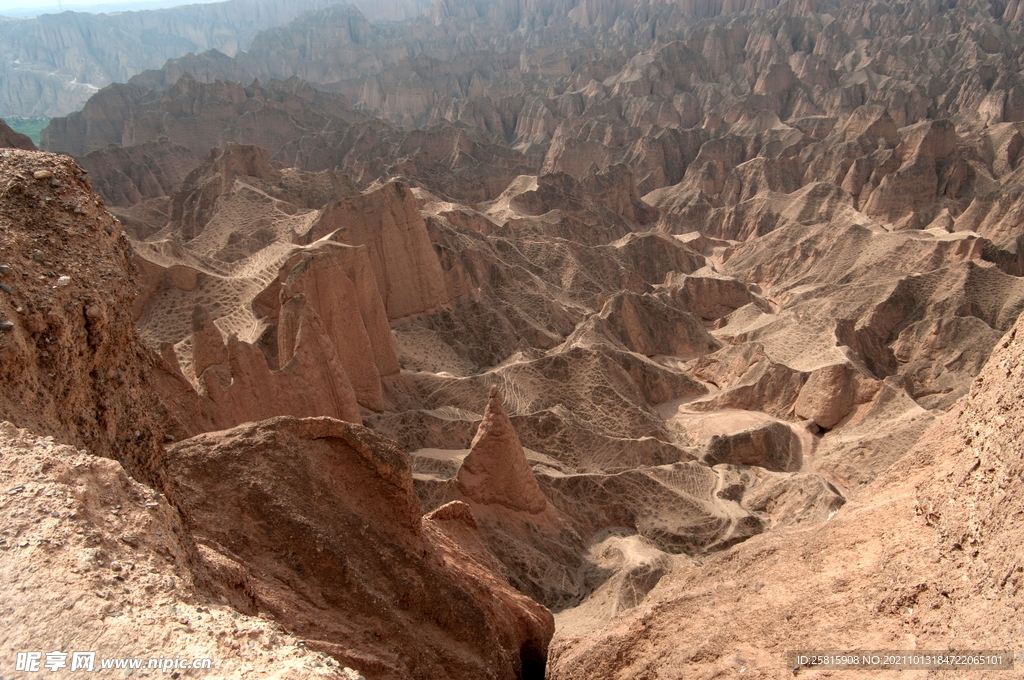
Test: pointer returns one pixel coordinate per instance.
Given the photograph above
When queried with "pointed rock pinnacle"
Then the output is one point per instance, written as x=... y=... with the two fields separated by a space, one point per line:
x=496 y=471
x=208 y=348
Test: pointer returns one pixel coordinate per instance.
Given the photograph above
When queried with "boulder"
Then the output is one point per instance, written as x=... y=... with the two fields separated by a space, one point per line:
x=773 y=446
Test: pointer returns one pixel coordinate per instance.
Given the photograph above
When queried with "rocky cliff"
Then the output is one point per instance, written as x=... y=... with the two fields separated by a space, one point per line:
x=14 y=140
x=135 y=535
x=724 y=262
x=336 y=481
x=302 y=297
x=54 y=62
x=126 y=176
x=71 y=362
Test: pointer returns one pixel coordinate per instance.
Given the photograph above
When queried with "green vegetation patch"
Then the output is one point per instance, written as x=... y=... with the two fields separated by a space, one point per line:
x=28 y=126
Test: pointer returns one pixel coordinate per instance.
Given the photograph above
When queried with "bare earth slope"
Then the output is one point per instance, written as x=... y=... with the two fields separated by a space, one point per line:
x=660 y=305
x=71 y=363
x=215 y=537
x=925 y=558
x=93 y=561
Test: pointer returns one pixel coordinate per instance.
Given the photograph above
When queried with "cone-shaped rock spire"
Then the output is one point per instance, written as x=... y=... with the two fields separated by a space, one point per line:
x=496 y=471
x=208 y=348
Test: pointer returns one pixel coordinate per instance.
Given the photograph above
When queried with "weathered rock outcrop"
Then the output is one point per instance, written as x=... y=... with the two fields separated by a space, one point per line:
x=339 y=497
x=942 y=513
x=371 y=577
x=14 y=140
x=126 y=176
x=193 y=205
x=773 y=447
x=70 y=359
x=338 y=284
x=535 y=548
x=827 y=396
x=309 y=314
x=495 y=471
x=387 y=222
x=242 y=388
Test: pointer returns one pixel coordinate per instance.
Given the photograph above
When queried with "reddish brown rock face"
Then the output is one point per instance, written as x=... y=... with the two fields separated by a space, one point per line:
x=243 y=388
x=350 y=308
x=331 y=506
x=14 y=140
x=495 y=471
x=326 y=537
x=388 y=223
x=314 y=314
x=125 y=177
x=72 y=365
x=727 y=263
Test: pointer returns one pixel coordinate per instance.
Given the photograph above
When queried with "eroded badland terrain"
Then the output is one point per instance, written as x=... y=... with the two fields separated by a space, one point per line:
x=568 y=339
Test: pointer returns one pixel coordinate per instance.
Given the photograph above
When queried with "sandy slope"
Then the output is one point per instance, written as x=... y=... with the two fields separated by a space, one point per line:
x=925 y=559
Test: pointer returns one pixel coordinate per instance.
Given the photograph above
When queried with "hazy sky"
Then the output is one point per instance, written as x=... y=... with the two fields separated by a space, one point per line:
x=84 y=5
x=8 y=4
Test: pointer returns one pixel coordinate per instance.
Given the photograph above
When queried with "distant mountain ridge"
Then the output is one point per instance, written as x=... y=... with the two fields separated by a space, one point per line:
x=50 y=65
